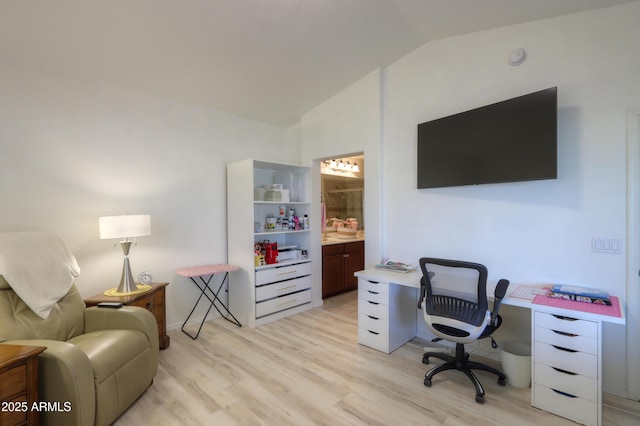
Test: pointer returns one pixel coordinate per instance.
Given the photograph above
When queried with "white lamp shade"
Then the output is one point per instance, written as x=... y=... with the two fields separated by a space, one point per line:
x=124 y=226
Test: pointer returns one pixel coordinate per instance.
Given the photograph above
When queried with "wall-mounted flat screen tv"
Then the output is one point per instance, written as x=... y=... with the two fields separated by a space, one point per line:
x=510 y=141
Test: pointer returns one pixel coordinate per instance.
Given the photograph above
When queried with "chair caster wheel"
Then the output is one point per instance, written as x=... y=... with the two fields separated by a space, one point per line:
x=425 y=360
x=480 y=399
x=501 y=382
x=427 y=382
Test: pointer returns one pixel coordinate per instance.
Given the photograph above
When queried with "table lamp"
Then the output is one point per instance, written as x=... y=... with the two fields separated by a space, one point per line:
x=125 y=227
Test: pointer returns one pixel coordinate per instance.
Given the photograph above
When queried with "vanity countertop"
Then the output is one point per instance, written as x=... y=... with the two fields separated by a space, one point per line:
x=333 y=240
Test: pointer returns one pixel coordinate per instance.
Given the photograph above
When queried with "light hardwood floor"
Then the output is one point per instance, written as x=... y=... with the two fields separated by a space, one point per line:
x=308 y=369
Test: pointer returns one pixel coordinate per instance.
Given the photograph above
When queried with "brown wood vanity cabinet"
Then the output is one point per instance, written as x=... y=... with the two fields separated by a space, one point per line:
x=339 y=262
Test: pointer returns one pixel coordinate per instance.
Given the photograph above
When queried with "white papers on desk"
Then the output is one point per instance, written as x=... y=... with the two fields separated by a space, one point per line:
x=389 y=265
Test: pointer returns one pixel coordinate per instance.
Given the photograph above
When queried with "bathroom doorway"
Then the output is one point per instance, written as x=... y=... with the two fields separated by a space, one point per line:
x=343 y=220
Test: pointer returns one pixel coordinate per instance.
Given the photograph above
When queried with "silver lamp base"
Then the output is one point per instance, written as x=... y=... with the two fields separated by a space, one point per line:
x=127 y=284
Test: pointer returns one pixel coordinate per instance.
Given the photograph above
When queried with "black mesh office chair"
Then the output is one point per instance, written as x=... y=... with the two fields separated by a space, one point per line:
x=455 y=306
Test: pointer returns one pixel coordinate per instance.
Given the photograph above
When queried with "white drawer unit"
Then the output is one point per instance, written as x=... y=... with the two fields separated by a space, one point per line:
x=386 y=314
x=567 y=371
x=280 y=273
x=282 y=303
x=281 y=288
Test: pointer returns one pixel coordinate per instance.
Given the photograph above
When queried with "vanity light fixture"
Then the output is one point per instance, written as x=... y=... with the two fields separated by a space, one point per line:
x=342 y=166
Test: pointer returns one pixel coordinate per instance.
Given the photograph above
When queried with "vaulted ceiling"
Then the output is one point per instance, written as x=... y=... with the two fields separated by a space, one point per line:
x=269 y=60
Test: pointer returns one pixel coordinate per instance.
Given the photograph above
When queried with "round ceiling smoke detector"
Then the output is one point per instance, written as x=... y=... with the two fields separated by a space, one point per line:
x=517 y=57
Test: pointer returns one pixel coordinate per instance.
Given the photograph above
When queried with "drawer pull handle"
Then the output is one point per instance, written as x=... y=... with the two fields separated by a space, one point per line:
x=564 y=333
x=373 y=292
x=562 y=317
x=287 y=288
x=564 y=371
x=564 y=393
x=564 y=349
x=286 y=303
x=373 y=303
x=287 y=273
x=374 y=282
x=373 y=332
x=372 y=317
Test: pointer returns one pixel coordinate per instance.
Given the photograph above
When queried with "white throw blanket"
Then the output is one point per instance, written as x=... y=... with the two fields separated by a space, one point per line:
x=39 y=267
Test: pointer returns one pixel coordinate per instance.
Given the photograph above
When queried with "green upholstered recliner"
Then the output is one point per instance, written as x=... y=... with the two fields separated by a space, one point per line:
x=100 y=360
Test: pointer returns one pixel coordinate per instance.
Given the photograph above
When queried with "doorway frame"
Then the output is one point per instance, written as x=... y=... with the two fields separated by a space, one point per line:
x=372 y=212
x=633 y=253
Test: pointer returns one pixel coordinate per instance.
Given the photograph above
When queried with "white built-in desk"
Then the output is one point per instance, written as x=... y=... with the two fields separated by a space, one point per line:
x=566 y=367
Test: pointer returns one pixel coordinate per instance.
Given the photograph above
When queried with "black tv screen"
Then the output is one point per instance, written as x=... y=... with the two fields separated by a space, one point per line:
x=509 y=141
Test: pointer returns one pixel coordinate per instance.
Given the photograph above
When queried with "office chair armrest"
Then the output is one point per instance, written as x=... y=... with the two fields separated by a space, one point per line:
x=499 y=293
x=423 y=290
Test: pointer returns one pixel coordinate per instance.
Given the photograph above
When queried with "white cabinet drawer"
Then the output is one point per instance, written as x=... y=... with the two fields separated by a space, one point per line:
x=574 y=408
x=574 y=384
x=567 y=325
x=567 y=340
x=373 y=286
x=377 y=310
x=280 y=273
x=380 y=326
x=373 y=339
x=281 y=288
x=371 y=296
x=281 y=303
x=574 y=362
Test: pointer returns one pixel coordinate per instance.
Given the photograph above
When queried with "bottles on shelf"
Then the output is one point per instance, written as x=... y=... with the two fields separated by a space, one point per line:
x=286 y=221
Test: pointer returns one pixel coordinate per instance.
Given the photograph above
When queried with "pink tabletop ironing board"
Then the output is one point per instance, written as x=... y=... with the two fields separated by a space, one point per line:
x=205 y=273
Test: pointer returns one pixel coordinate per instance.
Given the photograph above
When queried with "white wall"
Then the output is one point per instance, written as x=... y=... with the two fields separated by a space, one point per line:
x=530 y=232
x=73 y=150
x=593 y=60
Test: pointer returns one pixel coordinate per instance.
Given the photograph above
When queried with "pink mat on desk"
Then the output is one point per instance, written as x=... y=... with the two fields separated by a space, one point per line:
x=593 y=308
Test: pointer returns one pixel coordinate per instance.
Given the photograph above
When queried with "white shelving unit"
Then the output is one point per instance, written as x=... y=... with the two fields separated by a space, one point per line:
x=261 y=294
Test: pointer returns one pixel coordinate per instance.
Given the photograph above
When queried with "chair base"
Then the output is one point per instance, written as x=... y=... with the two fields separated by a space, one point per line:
x=461 y=362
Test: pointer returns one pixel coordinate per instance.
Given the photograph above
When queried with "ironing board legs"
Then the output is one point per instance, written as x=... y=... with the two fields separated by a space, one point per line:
x=204 y=288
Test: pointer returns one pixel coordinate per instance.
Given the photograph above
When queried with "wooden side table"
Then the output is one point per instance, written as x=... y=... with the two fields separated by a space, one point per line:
x=19 y=384
x=152 y=300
